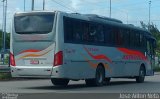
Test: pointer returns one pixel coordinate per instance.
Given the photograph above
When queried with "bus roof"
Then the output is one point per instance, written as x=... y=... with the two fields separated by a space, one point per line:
x=107 y=20
x=95 y=18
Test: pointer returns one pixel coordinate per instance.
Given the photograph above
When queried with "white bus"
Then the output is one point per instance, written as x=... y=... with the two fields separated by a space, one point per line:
x=70 y=46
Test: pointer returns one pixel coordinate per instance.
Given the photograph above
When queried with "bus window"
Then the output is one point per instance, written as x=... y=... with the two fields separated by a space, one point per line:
x=126 y=38
x=107 y=33
x=121 y=37
x=78 y=30
x=148 y=48
x=92 y=33
x=34 y=24
x=117 y=36
x=100 y=34
x=68 y=33
x=85 y=35
x=132 y=39
x=137 y=39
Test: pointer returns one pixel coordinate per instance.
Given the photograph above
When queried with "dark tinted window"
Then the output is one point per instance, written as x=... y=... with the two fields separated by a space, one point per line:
x=137 y=39
x=94 y=33
x=80 y=31
x=74 y=30
x=132 y=39
x=68 y=30
x=126 y=38
x=34 y=23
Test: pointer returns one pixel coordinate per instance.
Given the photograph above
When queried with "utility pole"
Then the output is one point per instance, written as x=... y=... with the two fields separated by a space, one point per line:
x=149 y=15
x=4 y=27
x=32 y=5
x=24 y=5
x=110 y=12
x=127 y=18
x=43 y=4
x=2 y=55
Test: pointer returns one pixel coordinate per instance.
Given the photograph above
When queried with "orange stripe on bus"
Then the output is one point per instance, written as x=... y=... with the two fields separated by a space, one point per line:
x=30 y=50
x=98 y=57
x=33 y=55
x=94 y=65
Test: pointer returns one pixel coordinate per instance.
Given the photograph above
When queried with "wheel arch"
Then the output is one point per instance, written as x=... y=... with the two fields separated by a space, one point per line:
x=101 y=64
x=143 y=66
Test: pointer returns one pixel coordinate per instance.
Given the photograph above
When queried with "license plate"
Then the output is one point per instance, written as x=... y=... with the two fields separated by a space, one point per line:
x=34 y=62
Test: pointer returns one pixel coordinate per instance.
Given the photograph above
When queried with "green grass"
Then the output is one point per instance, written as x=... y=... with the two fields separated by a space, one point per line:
x=157 y=69
x=5 y=76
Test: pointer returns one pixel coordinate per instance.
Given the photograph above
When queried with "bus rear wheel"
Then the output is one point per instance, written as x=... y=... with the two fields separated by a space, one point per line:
x=99 y=77
x=141 y=77
x=107 y=81
x=59 y=82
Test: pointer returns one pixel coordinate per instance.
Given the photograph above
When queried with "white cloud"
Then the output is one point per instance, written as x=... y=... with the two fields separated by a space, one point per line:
x=120 y=10
x=76 y=3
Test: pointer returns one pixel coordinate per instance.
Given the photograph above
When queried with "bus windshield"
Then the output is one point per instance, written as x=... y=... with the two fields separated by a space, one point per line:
x=35 y=23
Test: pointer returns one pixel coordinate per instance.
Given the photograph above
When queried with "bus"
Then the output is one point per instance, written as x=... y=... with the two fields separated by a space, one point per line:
x=71 y=46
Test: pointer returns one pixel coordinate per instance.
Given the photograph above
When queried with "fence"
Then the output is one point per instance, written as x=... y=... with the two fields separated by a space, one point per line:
x=4 y=69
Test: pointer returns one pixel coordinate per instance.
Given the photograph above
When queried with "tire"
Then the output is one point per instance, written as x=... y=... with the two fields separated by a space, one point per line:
x=141 y=77
x=59 y=82
x=90 y=82
x=107 y=81
x=99 y=77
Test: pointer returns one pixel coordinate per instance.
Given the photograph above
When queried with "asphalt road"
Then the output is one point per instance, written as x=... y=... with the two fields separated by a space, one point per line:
x=151 y=85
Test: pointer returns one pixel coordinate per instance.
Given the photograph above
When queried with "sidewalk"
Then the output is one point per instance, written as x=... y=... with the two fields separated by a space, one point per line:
x=156 y=73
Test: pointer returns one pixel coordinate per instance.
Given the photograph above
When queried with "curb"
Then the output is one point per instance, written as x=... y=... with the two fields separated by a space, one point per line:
x=157 y=73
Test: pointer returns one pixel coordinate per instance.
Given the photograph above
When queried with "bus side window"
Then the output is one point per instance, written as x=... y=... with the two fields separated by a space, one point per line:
x=85 y=35
x=141 y=40
x=148 y=47
x=137 y=39
x=108 y=33
x=68 y=32
x=95 y=33
x=100 y=33
x=92 y=33
x=152 y=47
x=121 y=37
x=77 y=30
x=126 y=38
x=117 y=36
x=132 y=39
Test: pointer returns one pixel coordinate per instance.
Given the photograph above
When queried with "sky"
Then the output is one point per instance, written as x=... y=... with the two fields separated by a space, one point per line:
x=128 y=11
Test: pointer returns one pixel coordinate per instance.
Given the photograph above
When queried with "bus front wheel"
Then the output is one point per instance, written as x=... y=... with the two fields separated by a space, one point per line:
x=141 y=77
x=99 y=77
x=59 y=82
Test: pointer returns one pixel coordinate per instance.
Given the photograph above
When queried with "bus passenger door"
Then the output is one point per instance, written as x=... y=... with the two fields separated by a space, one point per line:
x=151 y=54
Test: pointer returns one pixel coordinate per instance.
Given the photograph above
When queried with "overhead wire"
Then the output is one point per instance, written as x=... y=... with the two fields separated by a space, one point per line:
x=71 y=9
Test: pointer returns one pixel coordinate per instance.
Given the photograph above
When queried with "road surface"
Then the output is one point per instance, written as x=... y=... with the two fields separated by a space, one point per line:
x=151 y=85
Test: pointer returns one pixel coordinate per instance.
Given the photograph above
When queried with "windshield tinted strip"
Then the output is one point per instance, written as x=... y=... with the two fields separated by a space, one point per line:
x=34 y=23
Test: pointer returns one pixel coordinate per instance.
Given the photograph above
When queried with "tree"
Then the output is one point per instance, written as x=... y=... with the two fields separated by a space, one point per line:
x=0 y=39
x=7 y=40
x=155 y=32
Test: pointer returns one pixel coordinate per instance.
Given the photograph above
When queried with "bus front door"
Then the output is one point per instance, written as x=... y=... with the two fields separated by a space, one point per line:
x=150 y=55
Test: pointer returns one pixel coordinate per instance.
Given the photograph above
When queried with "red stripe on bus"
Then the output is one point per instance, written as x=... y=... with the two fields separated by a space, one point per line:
x=30 y=50
x=132 y=52
x=94 y=65
x=97 y=57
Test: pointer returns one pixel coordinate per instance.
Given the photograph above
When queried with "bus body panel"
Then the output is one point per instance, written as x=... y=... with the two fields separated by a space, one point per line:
x=33 y=63
x=79 y=59
x=82 y=65
x=33 y=52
